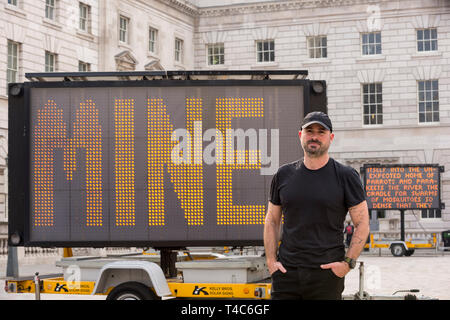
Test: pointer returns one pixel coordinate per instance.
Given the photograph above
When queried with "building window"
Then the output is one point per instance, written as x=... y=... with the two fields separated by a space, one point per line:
x=317 y=47
x=371 y=43
x=265 y=51
x=428 y=101
x=152 y=40
x=373 y=103
x=12 y=2
x=12 y=68
x=85 y=17
x=431 y=213
x=427 y=40
x=84 y=66
x=216 y=54
x=123 y=29
x=50 y=9
x=178 y=50
x=50 y=62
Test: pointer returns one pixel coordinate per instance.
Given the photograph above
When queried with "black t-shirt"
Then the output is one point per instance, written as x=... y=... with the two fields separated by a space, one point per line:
x=314 y=204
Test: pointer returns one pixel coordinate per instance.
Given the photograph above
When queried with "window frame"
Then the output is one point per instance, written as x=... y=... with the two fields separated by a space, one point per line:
x=86 y=20
x=11 y=69
x=369 y=104
x=84 y=66
x=426 y=214
x=153 y=42
x=50 y=8
x=263 y=51
x=371 y=43
x=432 y=102
x=429 y=41
x=179 y=50
x=125 y=32
x=322 y=49
x=53 y=61
x=210 y=56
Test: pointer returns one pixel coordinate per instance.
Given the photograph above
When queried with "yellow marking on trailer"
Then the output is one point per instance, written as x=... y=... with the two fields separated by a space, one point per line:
x=221 y=290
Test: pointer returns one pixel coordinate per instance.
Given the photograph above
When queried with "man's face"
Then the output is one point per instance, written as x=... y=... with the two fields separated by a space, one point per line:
x=315 y=140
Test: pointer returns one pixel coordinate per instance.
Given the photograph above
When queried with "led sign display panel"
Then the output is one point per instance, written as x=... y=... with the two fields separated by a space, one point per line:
x=402 y=187
x=160 y=165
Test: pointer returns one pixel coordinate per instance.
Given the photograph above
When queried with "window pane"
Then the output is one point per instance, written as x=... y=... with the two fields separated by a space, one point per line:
x=366 y=109
x=380 y=119
x=311 y=42
x=421 y=117
x=379 y=109
x=366 y=120
x=260 y=57
x=435 y=84
x=419 y=34
x=427 y=46
x=378 y=37
x=324 y=41
x=428 y=116
x=266 y=46
x=426 y=34
x=311 y=53
x=272 y=56
x=365 y=88
x=420 y=46
x=424 y=213
x=324 y=52
x=266 y=56
x=378 y=49
x=433 y=34
x=435 y=116
x=365 y=50
x=434 y=45
x=421 y=85
x=436 y=106
x=371 y=38
x=421 y=107
x=364 y=38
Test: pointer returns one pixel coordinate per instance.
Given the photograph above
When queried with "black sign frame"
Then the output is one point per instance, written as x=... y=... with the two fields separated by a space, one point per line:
x=377 y=165
x=19 y=145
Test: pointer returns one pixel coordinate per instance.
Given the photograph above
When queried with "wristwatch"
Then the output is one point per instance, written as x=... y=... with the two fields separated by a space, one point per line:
x=351 y=262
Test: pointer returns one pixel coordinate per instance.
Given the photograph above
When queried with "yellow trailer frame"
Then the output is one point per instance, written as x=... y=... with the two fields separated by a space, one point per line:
x=258 y=291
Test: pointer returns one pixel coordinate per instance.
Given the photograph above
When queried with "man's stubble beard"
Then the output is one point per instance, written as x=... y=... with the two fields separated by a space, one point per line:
x=315 y=153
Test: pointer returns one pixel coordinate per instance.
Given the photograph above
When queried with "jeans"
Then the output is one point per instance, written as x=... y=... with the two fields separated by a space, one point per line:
x=306 y=284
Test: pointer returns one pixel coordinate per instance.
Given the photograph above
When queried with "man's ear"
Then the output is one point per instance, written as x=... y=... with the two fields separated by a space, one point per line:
x=300 y=134
x=331 y=136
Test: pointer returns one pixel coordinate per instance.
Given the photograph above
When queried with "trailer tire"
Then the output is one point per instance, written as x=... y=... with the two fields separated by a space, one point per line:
x=398 y=250
x=132 y=291
x=409 y=252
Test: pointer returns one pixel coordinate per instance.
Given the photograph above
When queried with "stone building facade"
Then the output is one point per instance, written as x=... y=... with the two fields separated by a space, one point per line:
x=386 y=63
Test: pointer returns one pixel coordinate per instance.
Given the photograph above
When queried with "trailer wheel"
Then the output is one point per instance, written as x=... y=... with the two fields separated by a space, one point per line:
x=409 y=252
x=398 y=250
x=132 y=291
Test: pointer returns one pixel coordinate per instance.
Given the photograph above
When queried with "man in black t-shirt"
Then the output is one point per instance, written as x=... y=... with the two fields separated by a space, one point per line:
x=313 y=195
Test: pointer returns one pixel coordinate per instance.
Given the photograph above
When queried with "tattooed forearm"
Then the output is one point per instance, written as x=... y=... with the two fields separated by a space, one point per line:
x=360 y=219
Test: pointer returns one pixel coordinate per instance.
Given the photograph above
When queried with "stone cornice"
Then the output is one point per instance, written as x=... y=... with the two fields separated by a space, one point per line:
x=259 y=7
x=262 y=7
x=183 y=6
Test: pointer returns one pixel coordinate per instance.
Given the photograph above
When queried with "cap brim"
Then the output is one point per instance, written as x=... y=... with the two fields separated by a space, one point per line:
x=318 y=122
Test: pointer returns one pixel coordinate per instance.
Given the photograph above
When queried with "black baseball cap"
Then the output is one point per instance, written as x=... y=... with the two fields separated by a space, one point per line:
x=317 y=117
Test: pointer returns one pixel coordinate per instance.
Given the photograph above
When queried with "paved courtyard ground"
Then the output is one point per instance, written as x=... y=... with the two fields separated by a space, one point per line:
x=427 y=271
